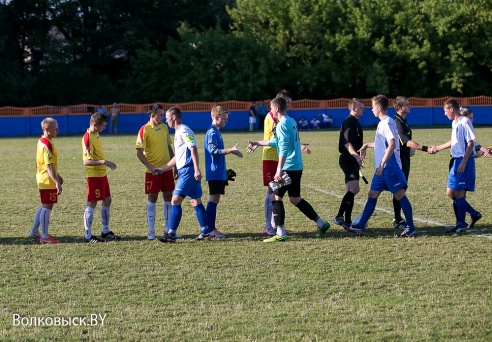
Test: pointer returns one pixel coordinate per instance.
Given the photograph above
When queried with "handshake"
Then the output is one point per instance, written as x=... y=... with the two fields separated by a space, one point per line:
x=286 y=180
x=158 y=170
x=431 y=150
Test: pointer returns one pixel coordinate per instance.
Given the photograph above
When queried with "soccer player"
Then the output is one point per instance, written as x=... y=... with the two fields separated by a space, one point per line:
x=388 y=175
x=289 y=162
x=270 y=162
x=407 y=149
x=154 y=149
x=48 y=179
x=189 y=177
x=95 y=163
x=350 y=141
x=461 y=177
x=215 y=165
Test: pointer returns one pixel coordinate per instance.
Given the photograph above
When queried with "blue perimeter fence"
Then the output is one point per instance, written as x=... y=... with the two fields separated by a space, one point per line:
x=73 y=124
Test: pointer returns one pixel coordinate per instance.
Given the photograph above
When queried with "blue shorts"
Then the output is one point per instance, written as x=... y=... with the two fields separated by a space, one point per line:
x=187 y=185
x=392 y=180
x=466 y=179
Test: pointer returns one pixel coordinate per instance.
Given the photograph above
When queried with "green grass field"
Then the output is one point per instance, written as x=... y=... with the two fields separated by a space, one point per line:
x=339 y=288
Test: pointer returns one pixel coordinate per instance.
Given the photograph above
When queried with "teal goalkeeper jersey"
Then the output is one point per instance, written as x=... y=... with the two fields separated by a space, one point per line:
x=288 y=144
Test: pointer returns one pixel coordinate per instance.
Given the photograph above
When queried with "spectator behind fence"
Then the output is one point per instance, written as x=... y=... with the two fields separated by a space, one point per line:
x=101 y=109
x=252 y=116
x=315 y=123
x=115 y=112
x=303 y=124
x=262 y=112
x=326 y=121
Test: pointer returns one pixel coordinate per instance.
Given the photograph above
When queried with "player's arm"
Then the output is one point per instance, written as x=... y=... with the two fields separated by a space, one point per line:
x=443 y=146
x=387 y=154
x=253 y=145
x=91 y=162
x=470 y=145
x=196 y=165
x=233 y=150
x=168 y=166
x=354 y=154
x=143 y=159
x=416 y=146
x=54 y=176
x=363 y=149
x=278 y=173
x=171 y=155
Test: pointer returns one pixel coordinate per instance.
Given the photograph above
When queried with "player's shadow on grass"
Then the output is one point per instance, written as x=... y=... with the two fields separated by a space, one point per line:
x=335 y=232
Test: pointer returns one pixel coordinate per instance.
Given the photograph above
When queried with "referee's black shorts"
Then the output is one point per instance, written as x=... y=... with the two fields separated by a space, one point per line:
x=350 y=167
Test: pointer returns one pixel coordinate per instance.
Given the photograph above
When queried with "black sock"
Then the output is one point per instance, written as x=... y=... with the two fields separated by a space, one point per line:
x=346 y=206
x=278 y=213
x=397 y=210
x=307 y=209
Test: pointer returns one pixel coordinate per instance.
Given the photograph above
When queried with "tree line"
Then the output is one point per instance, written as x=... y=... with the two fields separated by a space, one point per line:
x=62 y=52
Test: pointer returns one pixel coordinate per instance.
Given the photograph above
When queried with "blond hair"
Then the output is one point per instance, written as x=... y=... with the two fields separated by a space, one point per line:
x=46 y=123
x=218 y=111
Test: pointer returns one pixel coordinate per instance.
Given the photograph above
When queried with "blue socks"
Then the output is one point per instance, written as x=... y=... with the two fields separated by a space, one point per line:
x=176 y=213
x=461 y=206
x=407 y=210
x=368 y=210
x=201 y=216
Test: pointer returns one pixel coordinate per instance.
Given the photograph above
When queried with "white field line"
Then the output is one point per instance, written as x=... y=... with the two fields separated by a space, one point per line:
x=390 y=212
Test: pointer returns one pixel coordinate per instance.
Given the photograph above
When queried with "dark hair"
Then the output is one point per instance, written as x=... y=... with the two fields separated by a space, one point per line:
x=284 y=93
x=153 y=109
x=98 y=118
x=399 y=102
x=453 y=103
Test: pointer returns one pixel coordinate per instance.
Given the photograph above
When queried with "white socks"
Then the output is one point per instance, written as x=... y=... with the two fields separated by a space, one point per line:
x=105 y=219
x=151 y=216
x=168 y=209
x=37 y=222
x=88 y=217
x=44 y=219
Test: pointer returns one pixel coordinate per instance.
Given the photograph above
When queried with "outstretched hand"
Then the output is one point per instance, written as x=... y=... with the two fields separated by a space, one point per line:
x=236 y=152
x=251 y=146
x=305 y=148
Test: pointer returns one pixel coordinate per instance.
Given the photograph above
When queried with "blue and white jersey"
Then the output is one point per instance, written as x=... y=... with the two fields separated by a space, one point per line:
x=462 y=133
x=386 y=131
x=215 y=163
x=184 y=140
x=288 y=144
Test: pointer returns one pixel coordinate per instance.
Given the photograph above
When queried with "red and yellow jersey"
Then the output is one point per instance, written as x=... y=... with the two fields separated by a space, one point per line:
x=92 y=149
x=45 y=155
x=155 y=141
x=269 y=153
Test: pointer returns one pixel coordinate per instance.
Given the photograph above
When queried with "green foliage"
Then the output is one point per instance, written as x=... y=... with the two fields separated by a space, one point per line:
x=204 y=65
x=217 y=50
